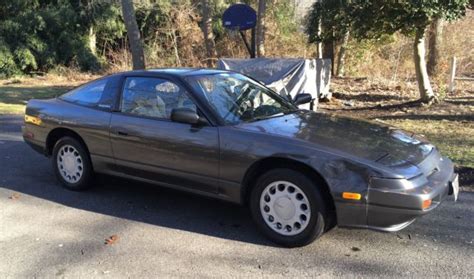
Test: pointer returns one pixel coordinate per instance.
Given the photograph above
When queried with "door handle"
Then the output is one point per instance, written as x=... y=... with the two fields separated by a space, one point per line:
x=120 y=133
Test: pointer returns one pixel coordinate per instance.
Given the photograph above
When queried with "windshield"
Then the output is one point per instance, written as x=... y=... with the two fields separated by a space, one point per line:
x=237 y=98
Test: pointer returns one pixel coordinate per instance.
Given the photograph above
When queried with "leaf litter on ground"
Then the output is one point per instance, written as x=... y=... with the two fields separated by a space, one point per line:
x=14 y=196
x=111 y=240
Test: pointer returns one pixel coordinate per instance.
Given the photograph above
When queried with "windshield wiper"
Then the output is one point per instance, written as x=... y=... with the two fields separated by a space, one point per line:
x=290 y=111
x=263 y=117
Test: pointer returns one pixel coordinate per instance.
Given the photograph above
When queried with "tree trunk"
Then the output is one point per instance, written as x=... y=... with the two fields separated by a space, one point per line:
x=319 y=50
x=434 y=45
x=207 y=32
x=342 y=55
x=262 y=6
x=92 y=40
x=424 y=86
x=138 y=58
x=175 y=47
x=328 y=53
x=319 y=44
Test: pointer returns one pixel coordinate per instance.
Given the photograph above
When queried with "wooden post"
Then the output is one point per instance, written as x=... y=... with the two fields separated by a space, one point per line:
x=452 y=75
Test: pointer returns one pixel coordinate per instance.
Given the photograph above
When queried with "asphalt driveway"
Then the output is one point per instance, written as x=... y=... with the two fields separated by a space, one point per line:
x=47 y=231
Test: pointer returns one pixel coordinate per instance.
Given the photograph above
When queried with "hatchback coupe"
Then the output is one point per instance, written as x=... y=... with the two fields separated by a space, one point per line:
x=224 y=135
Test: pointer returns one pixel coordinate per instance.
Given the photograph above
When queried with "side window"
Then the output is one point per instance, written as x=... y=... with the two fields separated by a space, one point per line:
x=153 y=97
x=88 y=95
x=110 y=92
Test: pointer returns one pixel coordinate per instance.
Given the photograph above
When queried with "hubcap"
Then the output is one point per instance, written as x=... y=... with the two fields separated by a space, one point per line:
x=285 y=208
x=70 y=164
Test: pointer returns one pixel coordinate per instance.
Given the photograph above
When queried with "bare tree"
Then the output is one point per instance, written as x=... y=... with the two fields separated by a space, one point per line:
x=424 y=86
x=133 y=33
x=92 y=40
x=342 y=55
x=207 y=32
x=435 y=40
x=328 y=53
x=260 y=40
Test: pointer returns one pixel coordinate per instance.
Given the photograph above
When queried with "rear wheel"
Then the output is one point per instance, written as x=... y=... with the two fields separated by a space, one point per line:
x=288 y=207
x=71 y=164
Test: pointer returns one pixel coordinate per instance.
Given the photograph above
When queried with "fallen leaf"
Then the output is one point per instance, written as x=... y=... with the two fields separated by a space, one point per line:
x=355 y=249
x=14 y=196
x=111 y=240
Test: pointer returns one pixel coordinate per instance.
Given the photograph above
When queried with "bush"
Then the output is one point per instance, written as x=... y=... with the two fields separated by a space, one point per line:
x=8 y=66
x=87 y=61
x=25 y=59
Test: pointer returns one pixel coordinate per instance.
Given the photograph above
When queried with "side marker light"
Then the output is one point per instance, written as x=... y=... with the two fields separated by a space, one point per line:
x=351 y=196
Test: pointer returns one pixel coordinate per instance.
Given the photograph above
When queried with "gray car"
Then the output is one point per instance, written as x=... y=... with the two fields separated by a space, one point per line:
x=224 y=135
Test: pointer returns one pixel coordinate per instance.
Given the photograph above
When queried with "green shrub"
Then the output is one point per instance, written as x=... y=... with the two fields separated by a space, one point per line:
x=8 y=66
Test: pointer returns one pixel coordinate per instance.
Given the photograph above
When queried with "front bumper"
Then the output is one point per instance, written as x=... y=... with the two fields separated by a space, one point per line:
x=29 y=138
x=390 y=209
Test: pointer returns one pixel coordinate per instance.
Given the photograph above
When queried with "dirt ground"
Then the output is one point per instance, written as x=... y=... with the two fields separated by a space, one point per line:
x=368 y=99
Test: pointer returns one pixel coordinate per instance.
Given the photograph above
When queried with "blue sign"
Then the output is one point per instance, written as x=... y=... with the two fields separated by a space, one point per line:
x=239 y=17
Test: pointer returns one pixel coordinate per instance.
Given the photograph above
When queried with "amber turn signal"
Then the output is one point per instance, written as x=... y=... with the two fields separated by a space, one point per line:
x=351 y=196
x=33 y=120
x=426 y=204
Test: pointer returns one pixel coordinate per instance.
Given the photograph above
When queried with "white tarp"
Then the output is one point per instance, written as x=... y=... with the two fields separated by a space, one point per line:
x=285 y=76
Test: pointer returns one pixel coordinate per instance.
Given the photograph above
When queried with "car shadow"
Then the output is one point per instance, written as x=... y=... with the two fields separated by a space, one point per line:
x=28 y=173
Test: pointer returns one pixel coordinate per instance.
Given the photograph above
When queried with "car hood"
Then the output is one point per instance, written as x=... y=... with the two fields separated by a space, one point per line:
x=357 y=137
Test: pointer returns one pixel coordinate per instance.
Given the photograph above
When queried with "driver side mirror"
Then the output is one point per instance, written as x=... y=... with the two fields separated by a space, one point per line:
x=302 y=98
x=186 y=115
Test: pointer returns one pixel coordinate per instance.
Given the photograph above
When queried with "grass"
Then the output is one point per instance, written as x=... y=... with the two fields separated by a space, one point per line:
x=16 y=92
x=455 y=139
x=14 y=98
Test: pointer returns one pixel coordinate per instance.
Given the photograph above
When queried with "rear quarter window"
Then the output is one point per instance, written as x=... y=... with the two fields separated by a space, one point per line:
x=89 y=94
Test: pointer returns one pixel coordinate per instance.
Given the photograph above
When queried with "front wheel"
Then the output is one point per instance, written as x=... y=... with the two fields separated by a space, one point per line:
x=71 y=164
x=288 y=207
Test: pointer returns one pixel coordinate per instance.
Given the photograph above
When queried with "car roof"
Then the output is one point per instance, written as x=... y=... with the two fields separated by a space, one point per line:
x=178 y=71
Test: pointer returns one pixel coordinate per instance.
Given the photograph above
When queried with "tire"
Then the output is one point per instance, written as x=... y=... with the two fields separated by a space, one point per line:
x=72 y=164
x=284 y=196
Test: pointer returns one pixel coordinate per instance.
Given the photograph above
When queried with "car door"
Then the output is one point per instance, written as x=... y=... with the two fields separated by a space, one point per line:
x=147 y=144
